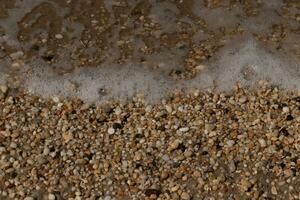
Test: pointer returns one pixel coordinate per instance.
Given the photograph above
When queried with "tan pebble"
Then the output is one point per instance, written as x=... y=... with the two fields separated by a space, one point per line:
x=16 y=64
x=197 y=107
x=200 y=67
x=175 y=188
x=85 y=106
x=168 y=108
x=148 y=108
x=67 y=136
x=16 y=55
x=297 y=146
x=243 y=99
x=120 y=42
x=231 y=166
x=188 y=154
x=274 y=190
x=164 y=175
x=209 y=127
x=4 y=89
x=244 y=184
x=185 y=196
x=138 y=156
x=288 y=172
x=174 y=145
x=262 y=142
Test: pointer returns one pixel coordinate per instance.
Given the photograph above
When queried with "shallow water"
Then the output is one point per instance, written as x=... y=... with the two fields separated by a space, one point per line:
x=78 y=48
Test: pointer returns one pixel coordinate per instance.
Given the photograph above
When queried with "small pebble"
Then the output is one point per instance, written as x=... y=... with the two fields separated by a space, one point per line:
x=243 y=99
x=184 y=129
x=185 y=196
x=59 y=36
x=3 y=89
x=111 y=131
x=262 y=142
x=174 y=145
x=274 y=190
x=168 y=108
x=285 y=109
x=51 y=197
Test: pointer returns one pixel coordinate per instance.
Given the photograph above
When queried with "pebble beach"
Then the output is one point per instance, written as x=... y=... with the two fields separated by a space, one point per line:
x=203 y=145
x=149 y=99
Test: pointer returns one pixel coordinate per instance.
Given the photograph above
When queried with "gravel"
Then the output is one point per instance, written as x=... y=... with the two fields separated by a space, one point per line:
x=202 y=145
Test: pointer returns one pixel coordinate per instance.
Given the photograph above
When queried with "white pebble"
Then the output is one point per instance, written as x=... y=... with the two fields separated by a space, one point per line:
x=200 y=67
x=118 y=111
x=243 y=99
x=230 y=143
x=107 y=198
x=55 y=99
x=29 y=198
x=59 y=36
x=285 y=109
x=184 y=129
x=51 y=197
x=111 y=131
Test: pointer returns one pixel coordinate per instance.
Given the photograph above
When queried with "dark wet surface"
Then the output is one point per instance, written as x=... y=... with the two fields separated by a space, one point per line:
x=169 y=39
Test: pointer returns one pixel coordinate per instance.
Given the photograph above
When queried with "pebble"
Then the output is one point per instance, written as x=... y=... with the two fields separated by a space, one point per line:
x=174 y=145
x=67 y=136
x=285 y=109
x=274 y=190
x=164 y=175
x=55 y=99
x=243 y=99
x=184 y=129
x=111 y=131
x=230 y=143
x=28 y=198
x=3 y=89
x=107 y=198
x=185 y=196
x=168 y=108
x=59 y=36
x=16 y=55
x=51 y=197
x=200 y=67
x=232 y=167
x=262 y=142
